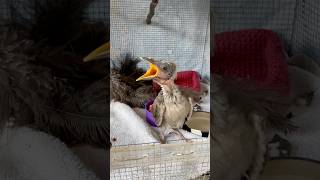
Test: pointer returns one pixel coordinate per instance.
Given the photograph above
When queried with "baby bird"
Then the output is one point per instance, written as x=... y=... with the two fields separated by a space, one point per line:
x=171 y=108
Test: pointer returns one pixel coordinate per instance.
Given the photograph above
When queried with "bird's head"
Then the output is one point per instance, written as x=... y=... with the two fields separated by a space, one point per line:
x=99 y=53
x=159 y=71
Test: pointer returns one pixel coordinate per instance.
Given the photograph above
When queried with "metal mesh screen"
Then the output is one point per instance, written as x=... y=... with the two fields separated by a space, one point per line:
x=3 y=11
x=179 y=32
x=97 y=11
x=296 y=21
x=306 y=37
x=160 y=161
x=277 y=15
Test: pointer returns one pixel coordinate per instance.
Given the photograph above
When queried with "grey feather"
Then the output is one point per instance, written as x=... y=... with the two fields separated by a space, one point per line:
x=29 y=93
x=241 y=113
x=125 y=88
x=158 y=109
x=171 y=109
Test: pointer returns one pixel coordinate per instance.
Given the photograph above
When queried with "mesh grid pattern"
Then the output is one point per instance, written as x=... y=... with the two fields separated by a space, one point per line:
x=277 y=15
x=4 y=11
x=179 y=32
x=160 y=161
x=306 y=37
x=97 y=11
x=296 y=21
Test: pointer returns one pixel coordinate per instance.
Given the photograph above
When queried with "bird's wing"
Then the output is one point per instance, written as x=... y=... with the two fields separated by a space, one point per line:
x=196 y=96
x=191 y=108
x=158 y=109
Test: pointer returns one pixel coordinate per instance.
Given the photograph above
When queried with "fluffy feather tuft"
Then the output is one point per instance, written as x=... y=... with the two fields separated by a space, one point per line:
x=125 y=88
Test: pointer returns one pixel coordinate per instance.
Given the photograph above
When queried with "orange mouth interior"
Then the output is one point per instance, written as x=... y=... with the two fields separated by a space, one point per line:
x=152 y=72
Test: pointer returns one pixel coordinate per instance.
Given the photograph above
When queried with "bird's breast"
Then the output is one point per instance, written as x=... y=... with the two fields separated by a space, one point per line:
x=177 y=106
x=176 y=113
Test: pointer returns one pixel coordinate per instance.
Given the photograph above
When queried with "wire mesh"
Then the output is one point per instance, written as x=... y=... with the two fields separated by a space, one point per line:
x=295 y=21
x=306 y=37
x=4 y=12
x=98 y=10
x=161 y=161
x=277 y=15
x=179 y=32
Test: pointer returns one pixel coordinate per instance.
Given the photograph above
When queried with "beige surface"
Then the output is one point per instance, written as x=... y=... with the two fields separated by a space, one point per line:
x=200 y=121
x=291 y=169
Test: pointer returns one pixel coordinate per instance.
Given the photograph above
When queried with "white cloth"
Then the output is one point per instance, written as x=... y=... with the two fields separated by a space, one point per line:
x=26 y=154
x=306 y=139
x=205 y=101
x=128 y=126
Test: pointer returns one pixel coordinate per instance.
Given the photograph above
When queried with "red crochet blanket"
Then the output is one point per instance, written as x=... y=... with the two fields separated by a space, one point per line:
x=255 y=54
x=187 y=79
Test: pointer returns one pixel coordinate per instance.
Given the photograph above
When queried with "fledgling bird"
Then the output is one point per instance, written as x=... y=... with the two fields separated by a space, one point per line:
x=171 y=107
x=122 y=77
x=242 y=115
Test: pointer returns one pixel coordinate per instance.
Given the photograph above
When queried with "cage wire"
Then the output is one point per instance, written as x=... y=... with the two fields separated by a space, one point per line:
x=295 y=21
x=4 y=11
x=98 y=10
x=306 y=32
x=179 y=160
x=179 y=32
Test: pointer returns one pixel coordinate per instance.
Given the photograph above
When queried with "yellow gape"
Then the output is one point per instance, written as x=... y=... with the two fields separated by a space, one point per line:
x=101 y=52
x=151 y=73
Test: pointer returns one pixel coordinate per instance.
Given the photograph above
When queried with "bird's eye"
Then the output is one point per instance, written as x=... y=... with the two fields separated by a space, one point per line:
x=165 y=68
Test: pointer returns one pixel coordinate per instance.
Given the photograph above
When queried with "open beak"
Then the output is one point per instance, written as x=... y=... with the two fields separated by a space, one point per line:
x=99 y=53
x=152 y=72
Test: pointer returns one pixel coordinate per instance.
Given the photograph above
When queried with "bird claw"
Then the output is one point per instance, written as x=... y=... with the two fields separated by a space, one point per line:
x=177 y=132
x=163 y=139
x=174 y=132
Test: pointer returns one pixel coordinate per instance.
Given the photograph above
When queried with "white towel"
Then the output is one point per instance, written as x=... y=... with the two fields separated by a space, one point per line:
x=305 y=140
x=26 y=154
x=205 y=101
x=128 y=126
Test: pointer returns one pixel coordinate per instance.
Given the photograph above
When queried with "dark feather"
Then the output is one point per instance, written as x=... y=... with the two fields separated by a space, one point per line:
x=60 y=23
x=45 y=83
x=33 y=97
x=63 y=35
x=125 y=88
x=244 y=95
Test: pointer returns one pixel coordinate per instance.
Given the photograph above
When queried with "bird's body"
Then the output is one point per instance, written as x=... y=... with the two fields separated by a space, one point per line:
x=124 y=87
x=242 y=114
x=171 y=109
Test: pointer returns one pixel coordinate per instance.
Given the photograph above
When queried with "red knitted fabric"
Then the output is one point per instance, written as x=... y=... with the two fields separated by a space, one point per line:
x=256 y=54
x=187 y=79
